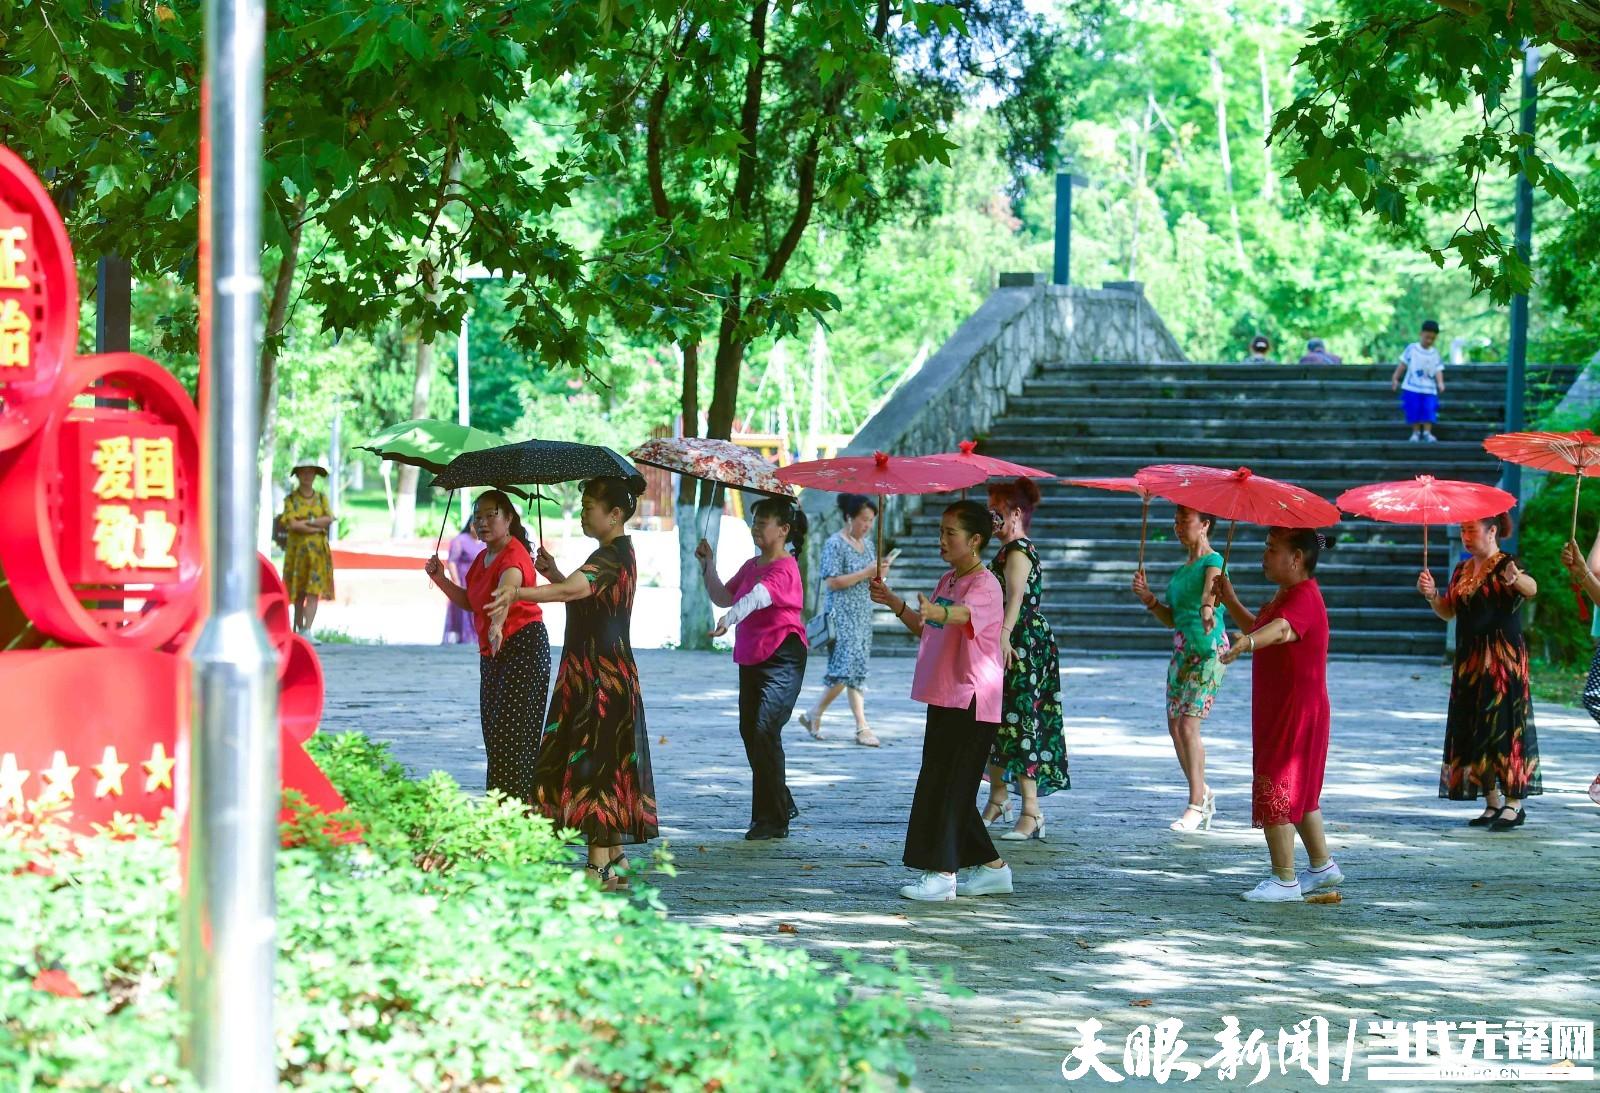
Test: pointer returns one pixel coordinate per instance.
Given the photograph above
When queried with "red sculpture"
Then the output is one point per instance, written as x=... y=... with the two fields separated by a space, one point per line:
x=101 y=553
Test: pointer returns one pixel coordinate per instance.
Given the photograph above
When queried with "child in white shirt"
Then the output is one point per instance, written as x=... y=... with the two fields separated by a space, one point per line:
x=1419 y=377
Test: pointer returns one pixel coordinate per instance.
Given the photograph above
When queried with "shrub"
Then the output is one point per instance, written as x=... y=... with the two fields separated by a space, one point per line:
x=454 y=948
x=1558 y=631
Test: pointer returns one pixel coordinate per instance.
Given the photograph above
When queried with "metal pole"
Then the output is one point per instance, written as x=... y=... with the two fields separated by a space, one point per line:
x=1516 y=369
x=228 y=928
x=113 y=305
x=463 y=411
x=1063 y=228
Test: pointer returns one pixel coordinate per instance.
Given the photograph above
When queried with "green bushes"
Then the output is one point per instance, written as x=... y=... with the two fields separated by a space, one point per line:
x=1558 y=633
x=454 y=948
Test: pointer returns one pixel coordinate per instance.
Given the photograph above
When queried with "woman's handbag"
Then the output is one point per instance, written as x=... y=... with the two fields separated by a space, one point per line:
x=819 y=628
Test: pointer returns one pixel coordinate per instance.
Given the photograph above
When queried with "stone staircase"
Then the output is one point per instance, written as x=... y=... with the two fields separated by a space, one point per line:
x=1327 y=428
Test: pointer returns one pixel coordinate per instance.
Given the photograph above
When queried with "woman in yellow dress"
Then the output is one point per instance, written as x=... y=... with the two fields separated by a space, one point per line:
x=307 y=560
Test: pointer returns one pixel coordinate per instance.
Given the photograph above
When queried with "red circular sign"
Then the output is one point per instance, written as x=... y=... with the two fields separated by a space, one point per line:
x=38 y=301
x=102 y=541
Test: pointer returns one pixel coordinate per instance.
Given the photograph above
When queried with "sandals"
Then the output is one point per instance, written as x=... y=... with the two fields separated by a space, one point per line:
x=611 y=877
x=814 y=727
x=1006 y=811
x=865 y=738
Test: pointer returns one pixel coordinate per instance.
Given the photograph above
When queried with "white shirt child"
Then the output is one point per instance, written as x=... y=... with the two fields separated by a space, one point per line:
x=1423 y=367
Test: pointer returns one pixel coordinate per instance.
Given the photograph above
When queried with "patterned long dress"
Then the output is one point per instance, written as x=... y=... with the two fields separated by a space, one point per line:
x=849 y=611
x=593 y=773
x=307 y=558
x=1031 y=742
x=1489 y=740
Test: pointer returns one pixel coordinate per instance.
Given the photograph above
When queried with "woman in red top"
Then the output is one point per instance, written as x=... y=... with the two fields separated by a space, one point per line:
x=1290 y=716
x=514 y=661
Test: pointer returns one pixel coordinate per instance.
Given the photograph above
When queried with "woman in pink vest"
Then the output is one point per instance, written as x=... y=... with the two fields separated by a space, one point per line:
x=960 y=676
x=764 y=601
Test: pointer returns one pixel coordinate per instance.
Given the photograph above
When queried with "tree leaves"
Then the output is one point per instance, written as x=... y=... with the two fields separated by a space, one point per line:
x=1412 y=61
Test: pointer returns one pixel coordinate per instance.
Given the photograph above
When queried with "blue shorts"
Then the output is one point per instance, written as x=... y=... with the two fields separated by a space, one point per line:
x=1419 y=407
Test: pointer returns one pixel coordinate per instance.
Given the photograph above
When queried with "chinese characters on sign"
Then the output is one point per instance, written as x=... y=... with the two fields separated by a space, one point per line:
x=19 y=292
x=1543 y=1049
x=124 y=487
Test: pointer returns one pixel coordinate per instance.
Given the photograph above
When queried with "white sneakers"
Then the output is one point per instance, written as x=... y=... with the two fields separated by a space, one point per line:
x=1326 y=877
x=932 y=888
x=1273 y=890
x=980 y=880
x=976 y=880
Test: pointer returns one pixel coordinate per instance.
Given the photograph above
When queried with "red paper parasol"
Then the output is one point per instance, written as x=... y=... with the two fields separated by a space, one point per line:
x=991 y=467
x=1426 y=500
x=1576 y=453
x=881 y=474
x=1238 y=495
x=1121 y=485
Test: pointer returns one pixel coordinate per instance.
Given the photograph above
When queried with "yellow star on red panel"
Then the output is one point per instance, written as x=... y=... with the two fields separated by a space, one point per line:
x=110 y=772
x=11 y=782
x=158 y=769
x=58 y=778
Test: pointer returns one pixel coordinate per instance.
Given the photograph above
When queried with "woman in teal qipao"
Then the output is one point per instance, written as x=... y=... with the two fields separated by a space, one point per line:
x=1198 y=641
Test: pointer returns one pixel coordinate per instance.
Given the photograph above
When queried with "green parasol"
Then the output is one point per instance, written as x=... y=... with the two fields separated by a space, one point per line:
x=431 y=444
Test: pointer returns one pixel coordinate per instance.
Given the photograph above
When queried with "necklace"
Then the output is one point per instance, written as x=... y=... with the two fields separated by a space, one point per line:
x=974 y=567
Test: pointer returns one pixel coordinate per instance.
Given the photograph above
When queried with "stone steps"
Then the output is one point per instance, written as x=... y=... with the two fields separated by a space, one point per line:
x=1327 y=428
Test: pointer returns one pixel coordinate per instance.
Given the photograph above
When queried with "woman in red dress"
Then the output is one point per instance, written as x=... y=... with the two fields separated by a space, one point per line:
x=1290 y=716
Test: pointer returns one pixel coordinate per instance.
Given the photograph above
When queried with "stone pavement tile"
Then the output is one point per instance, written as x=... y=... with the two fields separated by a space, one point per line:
x=1438 y=921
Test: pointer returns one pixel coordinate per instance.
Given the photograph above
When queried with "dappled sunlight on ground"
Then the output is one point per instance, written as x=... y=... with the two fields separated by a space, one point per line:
x=1114 y=916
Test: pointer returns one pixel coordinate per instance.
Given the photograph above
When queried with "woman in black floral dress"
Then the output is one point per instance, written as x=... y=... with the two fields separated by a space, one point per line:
x=1489 y=744
x=593 y=773
x=1030 y=750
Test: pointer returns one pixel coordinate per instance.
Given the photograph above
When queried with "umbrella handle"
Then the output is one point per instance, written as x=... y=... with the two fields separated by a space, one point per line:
x=1144 y=525
x=1424 y=547
x=879 y=523
x=1577 y=492
x=1228 y=550
x=443 y=522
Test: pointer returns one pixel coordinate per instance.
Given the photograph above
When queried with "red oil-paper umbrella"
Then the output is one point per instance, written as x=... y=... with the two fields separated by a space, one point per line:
x=1238 y=495
x=882 y=474
x=1426 y=500
x=989 y=465
x=1121 y=485
x=1576 y=453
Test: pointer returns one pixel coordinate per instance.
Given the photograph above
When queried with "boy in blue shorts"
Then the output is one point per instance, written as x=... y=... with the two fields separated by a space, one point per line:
x=1419 y=377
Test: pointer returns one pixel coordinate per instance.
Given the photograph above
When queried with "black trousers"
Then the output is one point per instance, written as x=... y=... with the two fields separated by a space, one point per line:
x=513 y=686
x=767 y=694
x=946 y=831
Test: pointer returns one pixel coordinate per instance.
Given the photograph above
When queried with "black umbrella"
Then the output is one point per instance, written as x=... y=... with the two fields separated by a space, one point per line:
x=538 y=463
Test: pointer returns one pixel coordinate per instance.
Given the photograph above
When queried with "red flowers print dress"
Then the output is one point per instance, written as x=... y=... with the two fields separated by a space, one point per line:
x=1488 y=737
x=593 y=773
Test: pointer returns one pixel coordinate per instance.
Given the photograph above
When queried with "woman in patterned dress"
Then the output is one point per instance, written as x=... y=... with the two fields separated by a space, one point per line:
x=849 y=562
x=1290 y=718
x=1489 y=743
x=1195 y=671
x=593 y=774
x=307 y=559
x=1030 y=750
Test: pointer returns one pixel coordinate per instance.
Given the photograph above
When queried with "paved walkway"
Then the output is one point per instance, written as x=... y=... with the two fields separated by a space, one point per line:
x=1114 y=917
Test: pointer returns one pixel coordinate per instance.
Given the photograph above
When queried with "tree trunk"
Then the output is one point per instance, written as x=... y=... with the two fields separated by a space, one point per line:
x=1219 y=92
x=1141 y=146
x=1268 y=181
x=694 y=606
x=267 y=377
x=405 y=507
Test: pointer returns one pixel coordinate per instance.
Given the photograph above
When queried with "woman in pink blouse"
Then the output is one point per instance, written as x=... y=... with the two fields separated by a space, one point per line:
x=764 y=599
x=960 y=676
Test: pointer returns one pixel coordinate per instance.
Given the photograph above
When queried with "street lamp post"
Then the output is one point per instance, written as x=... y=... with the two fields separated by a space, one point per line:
x=1517 y=364
x=228 y=915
